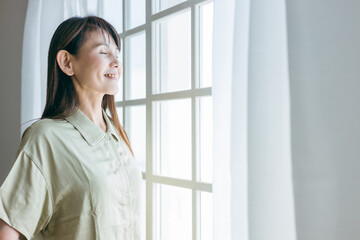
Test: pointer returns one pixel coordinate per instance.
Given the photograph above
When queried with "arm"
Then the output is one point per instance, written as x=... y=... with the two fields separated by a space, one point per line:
x=7 y=232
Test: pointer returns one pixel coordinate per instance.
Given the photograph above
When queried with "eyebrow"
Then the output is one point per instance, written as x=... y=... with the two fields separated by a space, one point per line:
x=105 y=44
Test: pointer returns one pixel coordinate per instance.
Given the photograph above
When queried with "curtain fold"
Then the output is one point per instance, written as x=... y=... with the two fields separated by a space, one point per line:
x=83 y=8
x=252 y=185
x=30 y=67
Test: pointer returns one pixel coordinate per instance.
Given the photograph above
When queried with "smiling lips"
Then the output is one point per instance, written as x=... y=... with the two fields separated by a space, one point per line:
x=110 y=75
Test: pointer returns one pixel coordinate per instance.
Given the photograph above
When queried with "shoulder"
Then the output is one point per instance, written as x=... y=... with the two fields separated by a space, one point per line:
x=43 y=131
x=44 y=127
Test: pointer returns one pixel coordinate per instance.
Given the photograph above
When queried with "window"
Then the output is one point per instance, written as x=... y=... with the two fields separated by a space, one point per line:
x=165 y=105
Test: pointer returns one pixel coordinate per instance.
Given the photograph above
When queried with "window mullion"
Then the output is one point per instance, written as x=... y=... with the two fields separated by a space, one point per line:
x=149 y=124
x=193 y=125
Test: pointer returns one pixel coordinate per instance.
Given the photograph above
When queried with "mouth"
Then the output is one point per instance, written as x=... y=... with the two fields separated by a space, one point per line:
x=111 y=76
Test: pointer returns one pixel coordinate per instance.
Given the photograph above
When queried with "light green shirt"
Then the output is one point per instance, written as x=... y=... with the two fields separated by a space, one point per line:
x=71 y=180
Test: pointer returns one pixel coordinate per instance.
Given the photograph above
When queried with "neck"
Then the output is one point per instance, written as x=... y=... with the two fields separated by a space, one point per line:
x=91 y=107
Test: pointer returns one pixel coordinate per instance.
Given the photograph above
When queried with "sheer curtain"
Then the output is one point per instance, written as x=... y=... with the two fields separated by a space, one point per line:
x=40 y=24
x=252 y=186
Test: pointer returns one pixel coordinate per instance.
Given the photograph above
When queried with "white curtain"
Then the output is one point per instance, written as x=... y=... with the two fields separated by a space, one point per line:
x=42 y=19
x=252 y=185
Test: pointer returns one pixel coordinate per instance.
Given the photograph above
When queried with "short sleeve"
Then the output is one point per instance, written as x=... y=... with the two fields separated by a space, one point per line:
x=25 y=202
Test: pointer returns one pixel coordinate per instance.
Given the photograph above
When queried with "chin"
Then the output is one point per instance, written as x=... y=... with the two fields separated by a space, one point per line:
x=112 y=91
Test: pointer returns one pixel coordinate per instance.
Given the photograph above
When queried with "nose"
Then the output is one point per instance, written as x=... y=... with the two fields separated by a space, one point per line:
x=115 y=62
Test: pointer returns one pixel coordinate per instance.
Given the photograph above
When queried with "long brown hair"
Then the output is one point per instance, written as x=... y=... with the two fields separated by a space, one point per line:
x=61 y=98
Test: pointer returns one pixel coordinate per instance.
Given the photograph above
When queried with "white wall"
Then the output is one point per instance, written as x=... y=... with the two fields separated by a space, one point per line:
x=12 y=18
x=324 y=44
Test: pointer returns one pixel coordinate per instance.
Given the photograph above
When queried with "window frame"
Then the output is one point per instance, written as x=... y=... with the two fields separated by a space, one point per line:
x=193 y=93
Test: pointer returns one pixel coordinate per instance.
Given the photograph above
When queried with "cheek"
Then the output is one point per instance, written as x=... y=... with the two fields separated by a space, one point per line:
x=90 y=70
x=92 y=64
x=96 y=62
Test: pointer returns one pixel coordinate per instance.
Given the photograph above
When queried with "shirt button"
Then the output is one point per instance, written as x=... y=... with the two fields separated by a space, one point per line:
x=107 y=137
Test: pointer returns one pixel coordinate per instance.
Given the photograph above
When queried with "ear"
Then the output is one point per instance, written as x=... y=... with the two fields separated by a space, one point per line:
x=64 y=58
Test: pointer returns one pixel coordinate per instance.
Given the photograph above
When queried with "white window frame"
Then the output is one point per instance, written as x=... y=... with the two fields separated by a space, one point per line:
x=192 y=93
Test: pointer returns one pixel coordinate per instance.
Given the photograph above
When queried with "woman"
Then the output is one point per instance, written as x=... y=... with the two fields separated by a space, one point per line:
x=74 y=176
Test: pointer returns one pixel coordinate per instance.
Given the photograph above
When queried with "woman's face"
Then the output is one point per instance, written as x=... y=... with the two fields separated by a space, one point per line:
x=96 y=67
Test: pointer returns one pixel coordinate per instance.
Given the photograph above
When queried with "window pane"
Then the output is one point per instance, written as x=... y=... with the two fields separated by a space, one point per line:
x=204 y=139
x=172 y=138
x=135 y=14
x=135 y=66
x=136 y=130
x=119 y=111
x=160 y=5
x=206 y=27
x=172 y=213
x=172 y=53
x=119 y=95
x=206 y=213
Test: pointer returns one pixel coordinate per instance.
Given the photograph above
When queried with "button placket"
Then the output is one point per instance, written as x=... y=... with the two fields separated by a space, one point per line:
x=123 y=158
x=117 y=160
x=108 y=152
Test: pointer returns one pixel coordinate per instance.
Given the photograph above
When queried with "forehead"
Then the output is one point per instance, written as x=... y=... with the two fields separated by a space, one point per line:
x=98 y=37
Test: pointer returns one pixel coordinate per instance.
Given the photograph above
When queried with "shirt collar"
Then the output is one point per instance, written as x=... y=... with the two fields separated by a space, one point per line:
x=88 y=129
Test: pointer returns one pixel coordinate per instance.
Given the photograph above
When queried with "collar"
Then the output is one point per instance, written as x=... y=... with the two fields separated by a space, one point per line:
x=88 y=129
